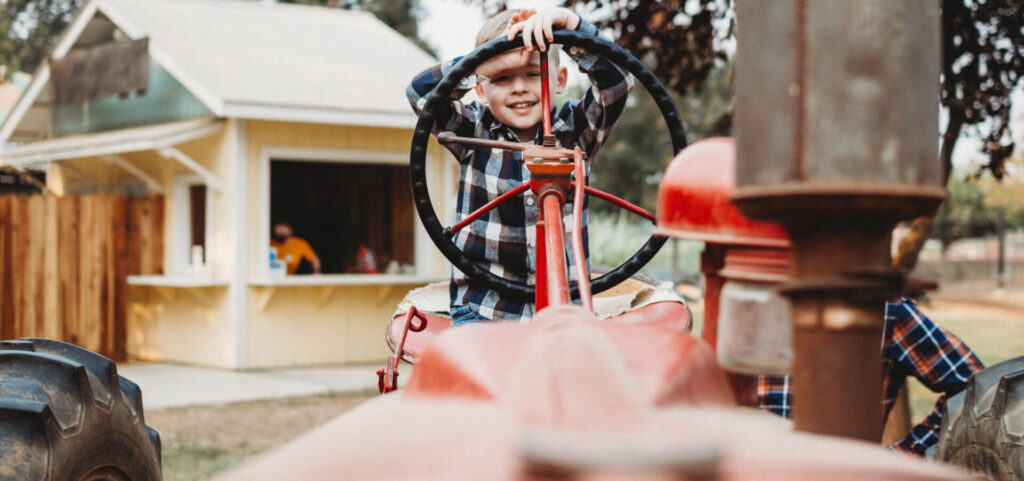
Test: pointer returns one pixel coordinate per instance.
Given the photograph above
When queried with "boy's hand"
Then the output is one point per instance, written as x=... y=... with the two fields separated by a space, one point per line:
x=537 y=26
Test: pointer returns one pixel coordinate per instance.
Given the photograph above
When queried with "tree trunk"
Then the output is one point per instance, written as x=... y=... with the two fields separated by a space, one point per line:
x=911 y=244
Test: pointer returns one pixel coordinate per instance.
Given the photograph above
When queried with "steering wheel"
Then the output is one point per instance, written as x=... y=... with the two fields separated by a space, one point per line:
x=437 y=102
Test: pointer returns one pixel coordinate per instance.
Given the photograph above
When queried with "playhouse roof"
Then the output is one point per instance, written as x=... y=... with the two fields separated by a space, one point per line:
x=252 y=60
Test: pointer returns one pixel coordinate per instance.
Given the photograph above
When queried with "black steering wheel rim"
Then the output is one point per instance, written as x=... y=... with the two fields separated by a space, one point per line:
x=438 y=101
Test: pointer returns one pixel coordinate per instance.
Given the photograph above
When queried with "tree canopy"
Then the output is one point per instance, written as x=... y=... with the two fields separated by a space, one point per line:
x=29 y=29
x=983 y=61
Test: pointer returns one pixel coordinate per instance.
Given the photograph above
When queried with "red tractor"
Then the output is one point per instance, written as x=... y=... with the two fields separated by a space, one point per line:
x=567 y=395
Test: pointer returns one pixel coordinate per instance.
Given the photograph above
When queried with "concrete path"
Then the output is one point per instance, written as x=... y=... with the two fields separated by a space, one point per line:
x=166 y=385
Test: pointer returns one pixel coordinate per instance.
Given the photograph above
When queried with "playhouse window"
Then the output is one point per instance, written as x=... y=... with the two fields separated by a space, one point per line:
x=339 y=206
x=191 y=222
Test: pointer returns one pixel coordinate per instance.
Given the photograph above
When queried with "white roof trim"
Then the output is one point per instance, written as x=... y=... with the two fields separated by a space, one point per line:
x=209 y=177
x=406 y=120
x=151 y=137
x=28 y=97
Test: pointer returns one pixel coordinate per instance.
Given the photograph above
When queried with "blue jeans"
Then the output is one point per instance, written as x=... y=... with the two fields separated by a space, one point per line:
x=464 y=315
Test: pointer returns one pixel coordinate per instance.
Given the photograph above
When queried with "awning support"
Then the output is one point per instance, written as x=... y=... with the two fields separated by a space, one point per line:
x=211 y=180
x=123 y=163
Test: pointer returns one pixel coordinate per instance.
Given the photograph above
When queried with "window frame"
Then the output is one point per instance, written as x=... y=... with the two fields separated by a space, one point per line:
x=178 y=256
x=422 y=248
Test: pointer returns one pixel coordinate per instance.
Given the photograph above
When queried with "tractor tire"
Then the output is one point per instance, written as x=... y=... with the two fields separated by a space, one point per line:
x=983 y=426
x=65 y=415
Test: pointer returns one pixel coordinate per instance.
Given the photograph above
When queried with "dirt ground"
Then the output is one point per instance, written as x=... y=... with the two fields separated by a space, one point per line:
x=199 y=442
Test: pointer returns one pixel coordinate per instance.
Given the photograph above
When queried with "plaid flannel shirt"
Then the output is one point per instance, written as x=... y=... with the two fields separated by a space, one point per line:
x=911 y=345
x=504 y=239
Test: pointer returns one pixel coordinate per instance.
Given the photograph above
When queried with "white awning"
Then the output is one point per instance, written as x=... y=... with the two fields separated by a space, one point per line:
x=151 y=137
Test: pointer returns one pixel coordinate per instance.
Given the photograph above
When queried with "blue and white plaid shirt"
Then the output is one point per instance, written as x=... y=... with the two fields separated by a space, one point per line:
x=504 y=239
x=912 y=345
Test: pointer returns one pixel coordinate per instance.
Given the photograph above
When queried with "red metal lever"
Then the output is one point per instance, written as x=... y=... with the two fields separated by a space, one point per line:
x=387 y=377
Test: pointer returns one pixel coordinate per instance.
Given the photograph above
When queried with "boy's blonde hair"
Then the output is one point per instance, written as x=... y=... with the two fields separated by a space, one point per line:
x=494 y=27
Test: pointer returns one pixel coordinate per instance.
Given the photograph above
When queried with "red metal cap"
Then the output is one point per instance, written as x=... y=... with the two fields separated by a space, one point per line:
x=693 y=202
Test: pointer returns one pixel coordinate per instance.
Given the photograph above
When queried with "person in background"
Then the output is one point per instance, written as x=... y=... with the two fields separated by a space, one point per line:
x=292 y=250
x=912 y=345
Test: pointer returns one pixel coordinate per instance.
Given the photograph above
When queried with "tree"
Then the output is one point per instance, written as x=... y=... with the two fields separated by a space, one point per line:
x=631 y=163
x=29 y=29
x=964 y=214
x=982 y=63
x=983 y=60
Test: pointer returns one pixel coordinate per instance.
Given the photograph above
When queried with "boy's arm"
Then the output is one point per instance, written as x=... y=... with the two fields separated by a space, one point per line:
x=599 y=109
x=453 y=119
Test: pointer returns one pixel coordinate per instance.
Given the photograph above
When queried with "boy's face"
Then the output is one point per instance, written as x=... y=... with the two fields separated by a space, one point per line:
x=509 y=84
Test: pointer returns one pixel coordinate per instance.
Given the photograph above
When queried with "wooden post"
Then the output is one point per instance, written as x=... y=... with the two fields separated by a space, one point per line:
x=898 y=424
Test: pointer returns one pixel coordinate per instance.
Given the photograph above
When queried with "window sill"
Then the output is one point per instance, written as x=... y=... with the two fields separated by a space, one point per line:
x=176 y=281
x=341 y=280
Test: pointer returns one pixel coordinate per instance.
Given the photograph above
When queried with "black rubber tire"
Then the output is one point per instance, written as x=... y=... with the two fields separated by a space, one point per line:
x=65 y=415
x=983 y=426
x=437 y=102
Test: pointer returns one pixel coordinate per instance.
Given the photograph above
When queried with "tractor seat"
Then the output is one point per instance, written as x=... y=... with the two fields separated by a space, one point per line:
x=637 y=299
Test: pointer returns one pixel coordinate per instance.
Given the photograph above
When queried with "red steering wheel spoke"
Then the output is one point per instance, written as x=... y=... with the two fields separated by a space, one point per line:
x=620 y=202
x=450 y=231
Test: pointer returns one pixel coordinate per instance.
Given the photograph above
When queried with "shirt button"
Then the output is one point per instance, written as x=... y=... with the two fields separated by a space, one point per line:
x=529 y=201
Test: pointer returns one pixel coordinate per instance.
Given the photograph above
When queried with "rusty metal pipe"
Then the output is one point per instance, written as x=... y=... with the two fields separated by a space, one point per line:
x=836 y=120
x=554 y=243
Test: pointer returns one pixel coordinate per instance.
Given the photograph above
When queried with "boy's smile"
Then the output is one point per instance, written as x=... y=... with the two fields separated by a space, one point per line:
x=510 y=85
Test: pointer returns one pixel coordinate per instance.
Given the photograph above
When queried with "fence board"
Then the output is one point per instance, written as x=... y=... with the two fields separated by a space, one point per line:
x=106 y=324
x=36 y=248
x=19 y=245
x=119 y=319
x=64 y=264
x=92 y=263
x=68 y=247
x=51 y=284
x=6 y=272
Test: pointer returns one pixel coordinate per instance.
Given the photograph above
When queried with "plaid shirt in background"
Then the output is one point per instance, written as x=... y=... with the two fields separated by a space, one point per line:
x=504 y=238
x=912 y=345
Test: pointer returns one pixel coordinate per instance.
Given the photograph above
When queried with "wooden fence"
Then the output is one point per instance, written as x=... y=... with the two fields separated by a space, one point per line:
x=64 y=263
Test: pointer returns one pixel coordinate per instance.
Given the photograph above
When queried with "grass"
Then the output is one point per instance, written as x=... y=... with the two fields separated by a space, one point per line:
x=616 y=237
x=186 y=462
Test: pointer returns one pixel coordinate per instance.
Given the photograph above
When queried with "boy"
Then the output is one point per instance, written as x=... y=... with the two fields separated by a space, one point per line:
x=509 y=108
